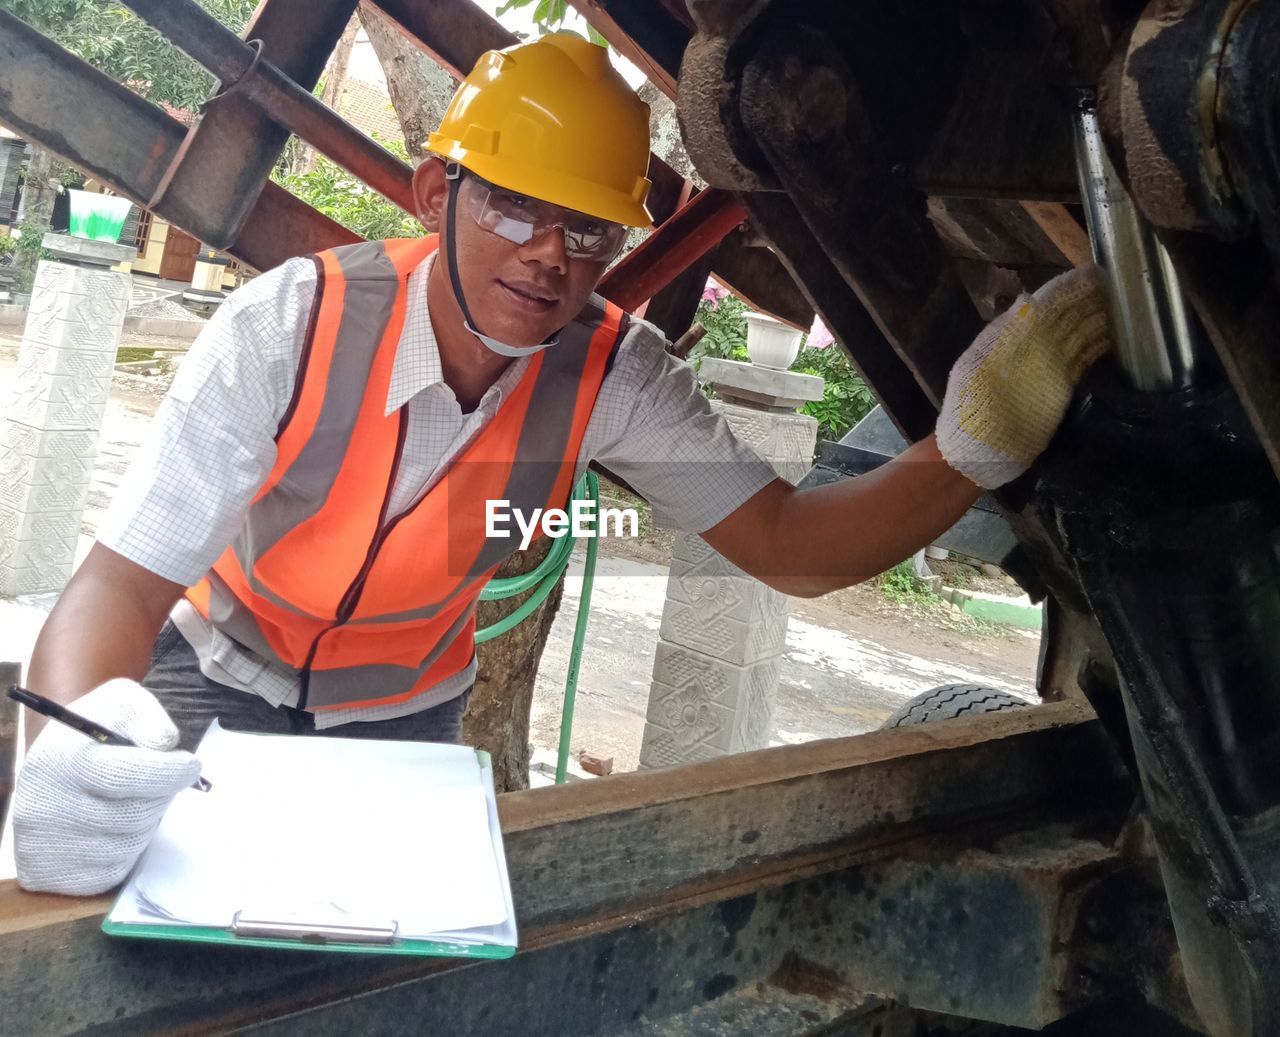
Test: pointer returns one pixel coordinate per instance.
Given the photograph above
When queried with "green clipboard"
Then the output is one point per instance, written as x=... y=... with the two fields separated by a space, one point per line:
x=296 y=936
x=315 y=941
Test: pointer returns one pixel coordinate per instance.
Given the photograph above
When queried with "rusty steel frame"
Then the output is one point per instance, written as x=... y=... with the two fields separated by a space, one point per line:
x=211 y=179
x=820 y=840
x=696 y=228
x=226 y=159
x=49 y=96
x=243 y=69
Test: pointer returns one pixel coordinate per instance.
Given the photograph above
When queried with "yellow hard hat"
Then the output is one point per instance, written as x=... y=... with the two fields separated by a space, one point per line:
x=553 y=120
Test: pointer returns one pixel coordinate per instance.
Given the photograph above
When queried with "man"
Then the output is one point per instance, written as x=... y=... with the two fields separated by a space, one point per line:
x=309 y=512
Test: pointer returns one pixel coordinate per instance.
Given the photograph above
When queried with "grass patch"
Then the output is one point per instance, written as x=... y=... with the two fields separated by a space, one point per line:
x=901 y=585
x=129 y=354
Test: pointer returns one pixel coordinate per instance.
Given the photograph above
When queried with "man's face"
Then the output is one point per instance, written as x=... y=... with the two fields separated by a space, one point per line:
x=517 y=293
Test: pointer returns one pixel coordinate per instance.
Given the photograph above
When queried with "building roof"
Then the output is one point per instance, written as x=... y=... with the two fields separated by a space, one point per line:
x=369 y=109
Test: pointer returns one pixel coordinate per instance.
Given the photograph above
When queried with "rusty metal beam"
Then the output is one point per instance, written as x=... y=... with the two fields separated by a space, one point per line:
x=871 y=224
x=228 y=154
x=600 y=858
x=666 y=253
x=280 y=226
x=647 y=33
x=54 y=99
x=243 y=71
x=775 y=216
x=601 y=18
x=453 y=32
x=59 y=102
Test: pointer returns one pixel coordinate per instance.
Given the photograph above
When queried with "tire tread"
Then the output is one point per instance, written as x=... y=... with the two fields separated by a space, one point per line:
x=950 y=701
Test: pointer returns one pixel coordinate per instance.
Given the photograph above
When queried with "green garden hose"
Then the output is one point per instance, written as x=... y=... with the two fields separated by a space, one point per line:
x=542 y=579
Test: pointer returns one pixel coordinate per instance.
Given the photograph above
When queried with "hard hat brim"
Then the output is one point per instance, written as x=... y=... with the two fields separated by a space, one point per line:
x=557 y=187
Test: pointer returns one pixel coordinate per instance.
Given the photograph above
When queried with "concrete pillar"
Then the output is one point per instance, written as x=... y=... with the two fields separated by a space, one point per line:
x=206 y=290
x=49 y=437
x=715 y=674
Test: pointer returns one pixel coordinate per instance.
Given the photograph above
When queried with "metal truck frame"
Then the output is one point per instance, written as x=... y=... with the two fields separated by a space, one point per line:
x=1104 y=863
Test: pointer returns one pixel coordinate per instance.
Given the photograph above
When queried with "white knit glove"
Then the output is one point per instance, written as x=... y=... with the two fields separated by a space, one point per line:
x=1008 y=392
x=83 y=812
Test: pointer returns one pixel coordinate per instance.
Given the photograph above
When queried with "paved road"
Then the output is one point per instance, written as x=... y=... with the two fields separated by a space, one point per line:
x=832 y=683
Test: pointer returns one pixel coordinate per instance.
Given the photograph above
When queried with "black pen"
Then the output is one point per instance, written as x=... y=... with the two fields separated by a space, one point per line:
x=49 y=708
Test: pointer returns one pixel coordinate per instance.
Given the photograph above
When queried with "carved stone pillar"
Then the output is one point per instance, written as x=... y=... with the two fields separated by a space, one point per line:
x=49 y=437
x=715 y=674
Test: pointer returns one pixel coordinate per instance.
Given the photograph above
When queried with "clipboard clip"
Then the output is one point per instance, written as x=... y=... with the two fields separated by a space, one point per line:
x=311 y=932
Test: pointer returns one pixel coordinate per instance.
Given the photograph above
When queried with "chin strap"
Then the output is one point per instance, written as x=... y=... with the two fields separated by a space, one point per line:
x=493 y=344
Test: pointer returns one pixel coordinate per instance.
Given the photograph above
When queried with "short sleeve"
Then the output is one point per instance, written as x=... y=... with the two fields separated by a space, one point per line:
x=211 y=444
x=653 y=427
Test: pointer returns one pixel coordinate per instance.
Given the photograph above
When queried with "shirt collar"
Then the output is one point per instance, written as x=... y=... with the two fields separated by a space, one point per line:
x=417 y=366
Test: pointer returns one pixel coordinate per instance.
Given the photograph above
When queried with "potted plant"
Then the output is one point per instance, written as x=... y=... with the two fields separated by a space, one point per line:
x=770 y=343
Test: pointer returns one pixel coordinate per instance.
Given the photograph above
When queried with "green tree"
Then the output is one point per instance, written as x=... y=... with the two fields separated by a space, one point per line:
x=548 y=16
x=343 y=197
x=846 y=398
x=117 y=42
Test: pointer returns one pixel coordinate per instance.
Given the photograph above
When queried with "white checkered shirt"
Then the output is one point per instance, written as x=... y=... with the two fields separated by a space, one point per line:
x=211 y=446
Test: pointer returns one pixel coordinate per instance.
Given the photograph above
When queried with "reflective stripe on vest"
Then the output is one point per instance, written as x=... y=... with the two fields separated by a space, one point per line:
x=370 y=610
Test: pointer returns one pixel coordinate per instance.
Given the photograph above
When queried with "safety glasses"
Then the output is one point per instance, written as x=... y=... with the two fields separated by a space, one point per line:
x=519 y=219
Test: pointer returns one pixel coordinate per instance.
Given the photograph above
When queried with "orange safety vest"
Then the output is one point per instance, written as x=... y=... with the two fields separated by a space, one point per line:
x=374 y=610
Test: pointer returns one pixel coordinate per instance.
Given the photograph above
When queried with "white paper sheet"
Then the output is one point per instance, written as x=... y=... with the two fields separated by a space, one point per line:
x=330 y=830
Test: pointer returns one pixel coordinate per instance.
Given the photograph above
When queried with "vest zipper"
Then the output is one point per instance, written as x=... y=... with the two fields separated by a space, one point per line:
x=351 y=598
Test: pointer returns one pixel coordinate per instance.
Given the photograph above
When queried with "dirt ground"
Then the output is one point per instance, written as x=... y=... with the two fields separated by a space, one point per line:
x=917 y=626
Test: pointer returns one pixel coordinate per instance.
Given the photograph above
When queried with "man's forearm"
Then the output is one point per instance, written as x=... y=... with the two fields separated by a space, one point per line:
x=103 y=626
x=840 y=534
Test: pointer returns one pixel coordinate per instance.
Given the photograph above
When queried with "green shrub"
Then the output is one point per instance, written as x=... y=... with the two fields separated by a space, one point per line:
x=900 y=584
x=342 y=197
x=846 y=398
x=726 y=336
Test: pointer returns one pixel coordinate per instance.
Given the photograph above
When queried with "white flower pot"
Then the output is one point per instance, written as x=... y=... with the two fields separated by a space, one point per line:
x=770 y=343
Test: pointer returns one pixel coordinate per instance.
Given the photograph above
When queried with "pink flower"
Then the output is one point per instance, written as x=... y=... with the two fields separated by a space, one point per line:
x=712 y=293
x=819 y=336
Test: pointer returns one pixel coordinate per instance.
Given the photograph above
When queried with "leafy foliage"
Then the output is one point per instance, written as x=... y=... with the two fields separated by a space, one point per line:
x=549 y=16
x=342 y=197
x=28 y=249
x=846 y=398
x=900 y=584
x=115 y=41
x=726 y=336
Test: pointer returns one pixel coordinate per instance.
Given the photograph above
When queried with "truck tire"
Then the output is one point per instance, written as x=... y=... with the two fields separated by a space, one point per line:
x=952 y=700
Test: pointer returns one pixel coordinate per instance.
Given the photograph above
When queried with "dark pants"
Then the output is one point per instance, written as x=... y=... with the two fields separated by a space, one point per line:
x=194 y=701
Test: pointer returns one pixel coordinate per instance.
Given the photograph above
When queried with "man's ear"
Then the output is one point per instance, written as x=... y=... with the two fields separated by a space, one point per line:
x=430 y=192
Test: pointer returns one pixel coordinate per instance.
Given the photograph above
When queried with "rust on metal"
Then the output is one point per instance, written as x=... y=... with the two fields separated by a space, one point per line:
x=633 y=853
x=666 y=253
